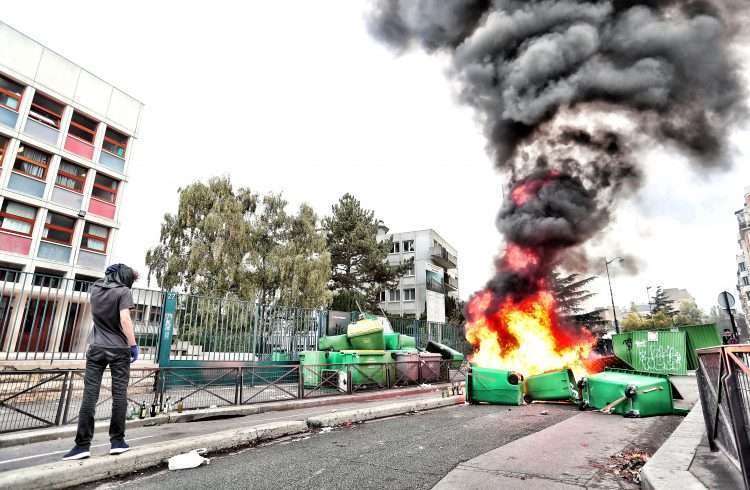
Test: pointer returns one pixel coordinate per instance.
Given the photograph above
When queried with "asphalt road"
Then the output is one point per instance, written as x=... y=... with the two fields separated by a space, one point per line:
x=408 y=452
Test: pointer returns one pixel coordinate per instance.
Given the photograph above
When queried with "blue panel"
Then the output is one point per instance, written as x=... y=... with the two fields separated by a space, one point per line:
x=53 y=251
x=26 y=185
x=41 y=132
x=8 y=117
x=91 y=260
x=67 y=198
x=111 y=161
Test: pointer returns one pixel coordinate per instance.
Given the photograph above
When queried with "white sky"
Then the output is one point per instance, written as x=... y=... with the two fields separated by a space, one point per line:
x=296 y=97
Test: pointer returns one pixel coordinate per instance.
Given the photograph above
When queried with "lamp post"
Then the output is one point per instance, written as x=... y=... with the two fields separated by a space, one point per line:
x=612 y=296
x=648 y=298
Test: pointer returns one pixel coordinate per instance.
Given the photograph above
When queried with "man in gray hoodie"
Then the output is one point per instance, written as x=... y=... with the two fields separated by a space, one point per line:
x=112 y=343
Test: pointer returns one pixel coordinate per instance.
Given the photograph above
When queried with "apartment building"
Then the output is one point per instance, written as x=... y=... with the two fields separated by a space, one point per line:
x=743 y=258
x=432 y=275
x=66 y=143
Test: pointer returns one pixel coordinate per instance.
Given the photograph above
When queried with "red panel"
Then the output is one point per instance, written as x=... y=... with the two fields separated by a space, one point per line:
x=15 y=244
x=102 y=208
x=79 y=147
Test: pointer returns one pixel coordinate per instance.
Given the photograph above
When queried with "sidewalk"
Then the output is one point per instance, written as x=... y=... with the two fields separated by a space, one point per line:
x=30 y=448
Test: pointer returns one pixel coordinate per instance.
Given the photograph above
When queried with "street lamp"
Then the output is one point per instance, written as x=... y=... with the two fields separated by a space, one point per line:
x=612 y=296
x=648 y=298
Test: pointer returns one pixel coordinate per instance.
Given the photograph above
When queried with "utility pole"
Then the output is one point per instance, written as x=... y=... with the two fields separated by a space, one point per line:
x=648 y=298
x=611 y=295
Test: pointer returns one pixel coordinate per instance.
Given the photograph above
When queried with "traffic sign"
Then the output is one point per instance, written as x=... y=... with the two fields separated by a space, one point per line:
x=726 y=300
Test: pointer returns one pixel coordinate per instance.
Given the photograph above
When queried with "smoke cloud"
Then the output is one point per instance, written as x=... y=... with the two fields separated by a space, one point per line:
x=567 y=90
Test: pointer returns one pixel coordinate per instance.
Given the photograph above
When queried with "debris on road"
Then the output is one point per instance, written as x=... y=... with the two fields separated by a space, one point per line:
x=626 y=465
x=188 y=460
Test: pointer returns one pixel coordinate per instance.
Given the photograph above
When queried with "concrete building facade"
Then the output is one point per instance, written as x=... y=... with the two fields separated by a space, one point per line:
x=432 y=276
x=743 y=257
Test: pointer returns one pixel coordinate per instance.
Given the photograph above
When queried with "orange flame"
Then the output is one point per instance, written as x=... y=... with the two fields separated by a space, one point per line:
x=524 y=336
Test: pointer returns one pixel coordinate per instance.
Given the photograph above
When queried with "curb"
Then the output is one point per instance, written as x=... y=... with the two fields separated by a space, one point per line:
x=65 y=474
x=69 y=431
x=669 y=467
x=363 y=414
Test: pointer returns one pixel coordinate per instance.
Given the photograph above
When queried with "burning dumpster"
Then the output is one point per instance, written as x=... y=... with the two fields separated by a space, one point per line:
x=554 y=385
x=494 y=386
x=628 y=393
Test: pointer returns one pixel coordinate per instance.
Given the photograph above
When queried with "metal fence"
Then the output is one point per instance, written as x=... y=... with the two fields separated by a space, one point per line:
x=724 y=386
x=46 y=317
x=37 y=399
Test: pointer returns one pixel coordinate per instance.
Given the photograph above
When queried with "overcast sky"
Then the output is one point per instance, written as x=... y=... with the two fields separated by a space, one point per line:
x=296 y=97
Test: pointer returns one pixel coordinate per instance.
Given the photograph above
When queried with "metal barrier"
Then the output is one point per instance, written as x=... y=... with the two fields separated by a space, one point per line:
x=724 y=385
x=37 y=399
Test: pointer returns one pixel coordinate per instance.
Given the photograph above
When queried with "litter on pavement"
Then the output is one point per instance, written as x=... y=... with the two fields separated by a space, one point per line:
x=188 y=460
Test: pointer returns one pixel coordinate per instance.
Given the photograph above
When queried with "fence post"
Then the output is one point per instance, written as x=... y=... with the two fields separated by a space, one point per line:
x=68 y=398
x=301 y=382
x=167 y=327
x=61 y=403
x=242 y=384
x=349 y=379
x=237 y=385
x=737 y=415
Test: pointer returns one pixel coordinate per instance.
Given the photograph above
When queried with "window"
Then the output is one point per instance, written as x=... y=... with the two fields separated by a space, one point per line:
x=3 y=146
x=83 y=128
x=748 y=295
x=408 y=245
x=32 y=162
x=95 y=238
x=154 y=315
x=395 y=247
x=46 y=111
x=71 y=177
x=742 y=266
x=83 y=283
x=48 y=278
x=139 y=313
x=410 y=270
x=17 y=217
x=104 y=188
x=10 y=94
x=115 y=143
x=58 y=228
x=745 y=281
x=10 y=272
x=381 y=296
x=395 y=295
x=410 y=294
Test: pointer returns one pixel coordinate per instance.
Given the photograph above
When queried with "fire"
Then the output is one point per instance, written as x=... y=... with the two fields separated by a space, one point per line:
x=524 y=336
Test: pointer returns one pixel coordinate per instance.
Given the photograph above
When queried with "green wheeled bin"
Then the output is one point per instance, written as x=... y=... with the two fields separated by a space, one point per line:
x=494 y=386
x=334 y=343
x=370 y=367
x=629 y=393
x=312 y=364
x=391 y=341
x=406 y=342
x=553 y=385
x=448 y=353
x=366 y=335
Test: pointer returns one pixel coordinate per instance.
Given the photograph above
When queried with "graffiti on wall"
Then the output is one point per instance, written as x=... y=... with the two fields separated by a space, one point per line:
x=657 y=358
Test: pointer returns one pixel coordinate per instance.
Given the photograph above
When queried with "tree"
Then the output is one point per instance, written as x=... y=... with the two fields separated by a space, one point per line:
x=454 y=310
x=663 y=304
x=202 y=247
x=632 y=320
x=689 y=314
x=359 y=267
x=571 y=294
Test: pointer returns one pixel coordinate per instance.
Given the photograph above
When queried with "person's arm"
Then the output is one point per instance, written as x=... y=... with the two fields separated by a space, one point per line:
x=127 y=326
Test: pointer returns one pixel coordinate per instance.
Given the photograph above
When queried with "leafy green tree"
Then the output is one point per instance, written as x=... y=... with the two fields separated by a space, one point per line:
x=571 y=294
x=359 y=267
x=202 y=247
x=689 y=314
x=454 y=310
x=663 y=304
x=632 y=320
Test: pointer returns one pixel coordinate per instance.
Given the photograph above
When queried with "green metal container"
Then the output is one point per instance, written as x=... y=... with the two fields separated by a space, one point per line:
x=391 y=341
x=370 y=367
x=366 y=335
x=494 y=386
x=699 y=337
x=406 y=342
x=653 y=351
x=334 y=343
x=312 y=364
x=278 y=356
x=629 y=393
x=448 y=353
x=554 y=385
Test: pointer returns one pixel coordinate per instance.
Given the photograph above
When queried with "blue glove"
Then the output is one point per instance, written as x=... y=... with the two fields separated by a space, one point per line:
x=133 y=353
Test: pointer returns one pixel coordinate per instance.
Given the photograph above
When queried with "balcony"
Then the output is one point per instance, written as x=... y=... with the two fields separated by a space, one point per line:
x=69 y=199
x=112 y=162
x=54 y=252
x=442 y=257
x=101 y=208
x=42 y=132
x=15 y=243
x=8 y=117
x=26 y=185
x=451 y=283
x=79 y=147
x=91 y=260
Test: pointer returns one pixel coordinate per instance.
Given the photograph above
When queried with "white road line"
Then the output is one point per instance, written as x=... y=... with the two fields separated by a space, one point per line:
x=61 y=452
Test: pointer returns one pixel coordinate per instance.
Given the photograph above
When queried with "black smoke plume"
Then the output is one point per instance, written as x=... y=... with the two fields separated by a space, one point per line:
x=570 y=88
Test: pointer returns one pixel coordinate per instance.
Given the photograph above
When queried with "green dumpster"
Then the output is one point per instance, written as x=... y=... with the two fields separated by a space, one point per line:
x=369 y=367
x=334 y=343
x=494 y=386
x=278 y=356
x=554 y=385
x=448 y=353
x=311 y=365
x=366 y=335
x=629 y=393
x=406 y=342
x=391 y=341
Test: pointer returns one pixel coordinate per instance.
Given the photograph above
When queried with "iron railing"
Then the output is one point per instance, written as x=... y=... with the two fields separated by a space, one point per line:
x=36 y=399
x=724 y=386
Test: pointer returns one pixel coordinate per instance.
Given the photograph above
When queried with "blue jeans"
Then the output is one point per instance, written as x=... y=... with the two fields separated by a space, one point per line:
x=97 y=359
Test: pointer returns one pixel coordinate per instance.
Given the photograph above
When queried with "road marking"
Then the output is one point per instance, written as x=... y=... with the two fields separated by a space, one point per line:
x=64 y=451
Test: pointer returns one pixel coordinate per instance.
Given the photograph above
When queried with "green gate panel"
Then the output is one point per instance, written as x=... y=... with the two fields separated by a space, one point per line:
x=659 y=351
x=620 y=346
x=699 y=337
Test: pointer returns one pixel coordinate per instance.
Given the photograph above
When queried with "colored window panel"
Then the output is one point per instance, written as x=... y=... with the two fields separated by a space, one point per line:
x=17 y=217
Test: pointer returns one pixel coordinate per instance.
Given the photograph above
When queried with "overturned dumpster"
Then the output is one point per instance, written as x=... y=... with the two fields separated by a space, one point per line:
x=552 y=386
x=494 y=386
x=629 y=393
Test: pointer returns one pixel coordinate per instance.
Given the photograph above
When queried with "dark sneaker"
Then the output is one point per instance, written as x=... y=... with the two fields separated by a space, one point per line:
x=77 y=453
x=119 y=447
